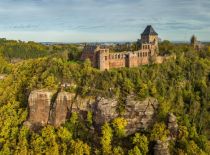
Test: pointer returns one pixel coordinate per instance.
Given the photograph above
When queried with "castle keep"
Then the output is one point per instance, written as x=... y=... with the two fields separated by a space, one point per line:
x=103 y=59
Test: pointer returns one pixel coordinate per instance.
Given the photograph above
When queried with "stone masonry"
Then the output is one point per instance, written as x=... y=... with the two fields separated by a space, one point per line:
x=103 y=59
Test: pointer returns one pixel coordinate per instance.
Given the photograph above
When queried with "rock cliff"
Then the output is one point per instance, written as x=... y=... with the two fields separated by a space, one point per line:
x=39 y=105
x=60 y=108
x=45 y=109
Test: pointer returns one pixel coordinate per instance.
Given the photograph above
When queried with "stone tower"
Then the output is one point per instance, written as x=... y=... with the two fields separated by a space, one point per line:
x=149 y=36
x=193 y=41
x=197 y=45
x=103 y=59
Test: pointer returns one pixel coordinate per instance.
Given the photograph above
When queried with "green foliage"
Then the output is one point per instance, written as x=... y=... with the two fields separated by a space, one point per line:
x=134 y=151
x=159 y=132
x=119 y=125
x=118 y=151
x=181 y=85
x=141 y=142
x=89 y=118
x=79 y=148
x=106 y=139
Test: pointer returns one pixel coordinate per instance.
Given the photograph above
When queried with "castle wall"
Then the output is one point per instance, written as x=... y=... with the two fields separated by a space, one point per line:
x=117 y=60
x=91 y=56
x=103 y=59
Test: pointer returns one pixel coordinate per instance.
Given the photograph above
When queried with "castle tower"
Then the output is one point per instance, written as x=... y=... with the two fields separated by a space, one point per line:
x=149 y=36
x=193 y=41
x=103 y=59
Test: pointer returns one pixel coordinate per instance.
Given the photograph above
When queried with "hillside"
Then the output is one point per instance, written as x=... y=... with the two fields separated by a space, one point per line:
x=181 y=87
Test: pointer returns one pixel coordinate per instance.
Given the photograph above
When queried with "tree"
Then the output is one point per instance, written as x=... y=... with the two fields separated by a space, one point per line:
x=159 y=132
x=119 y=125
x=134 y=151
x=141 y=142
x=106 y=139
x=79 y=148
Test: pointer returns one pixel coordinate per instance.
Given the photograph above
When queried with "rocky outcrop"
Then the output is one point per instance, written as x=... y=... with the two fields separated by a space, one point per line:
x=161 y=148
x=139 y=114
x=39 y=105
x=61 y=107
x=105 y=110
x=172 y=125
x=49 y=108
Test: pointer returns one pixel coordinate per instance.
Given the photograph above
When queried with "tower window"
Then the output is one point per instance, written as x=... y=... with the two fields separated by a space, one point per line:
x=105 y=57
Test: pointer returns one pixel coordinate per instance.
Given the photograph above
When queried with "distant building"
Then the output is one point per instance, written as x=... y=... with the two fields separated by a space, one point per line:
x=197 y=45
x=103 y=59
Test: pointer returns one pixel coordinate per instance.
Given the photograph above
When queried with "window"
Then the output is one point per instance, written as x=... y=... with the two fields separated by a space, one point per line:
x=119 y=56
x=140 y=54
x=105 y=57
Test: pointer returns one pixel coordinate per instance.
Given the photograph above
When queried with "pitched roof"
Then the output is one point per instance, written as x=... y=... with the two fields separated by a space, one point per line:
x=149 y=31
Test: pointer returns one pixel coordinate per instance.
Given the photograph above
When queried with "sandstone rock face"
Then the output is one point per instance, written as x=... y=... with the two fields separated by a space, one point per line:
x=61 y=107
x=82 y=104
x=105 y=110
x=139 y=114
x=39 y=105
x=172 y=124
x=161 y=148
x=43 y=110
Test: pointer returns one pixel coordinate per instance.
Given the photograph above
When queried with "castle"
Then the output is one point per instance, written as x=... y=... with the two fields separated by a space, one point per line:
x=197 y=45
x=103 y=59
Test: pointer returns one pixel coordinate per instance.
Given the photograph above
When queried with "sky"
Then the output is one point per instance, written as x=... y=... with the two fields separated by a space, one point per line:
x=103 y=20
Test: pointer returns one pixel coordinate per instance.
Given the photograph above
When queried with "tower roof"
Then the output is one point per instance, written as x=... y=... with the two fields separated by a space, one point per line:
x=149 y=31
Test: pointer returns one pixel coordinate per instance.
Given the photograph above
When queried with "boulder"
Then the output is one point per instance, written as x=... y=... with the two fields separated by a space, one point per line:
x=39 y=106
x=161 y=148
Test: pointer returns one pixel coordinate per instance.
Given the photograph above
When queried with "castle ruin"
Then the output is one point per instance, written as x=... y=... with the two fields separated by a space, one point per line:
x=103 y=59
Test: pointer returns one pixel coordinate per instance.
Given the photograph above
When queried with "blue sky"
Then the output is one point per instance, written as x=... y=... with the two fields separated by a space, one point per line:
x=103 y=20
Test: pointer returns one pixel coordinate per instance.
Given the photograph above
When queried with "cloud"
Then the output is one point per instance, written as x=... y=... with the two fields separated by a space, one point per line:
x=113 y=17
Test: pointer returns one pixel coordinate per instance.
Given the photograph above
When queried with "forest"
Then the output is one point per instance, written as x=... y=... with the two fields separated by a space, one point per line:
x=181 y=85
